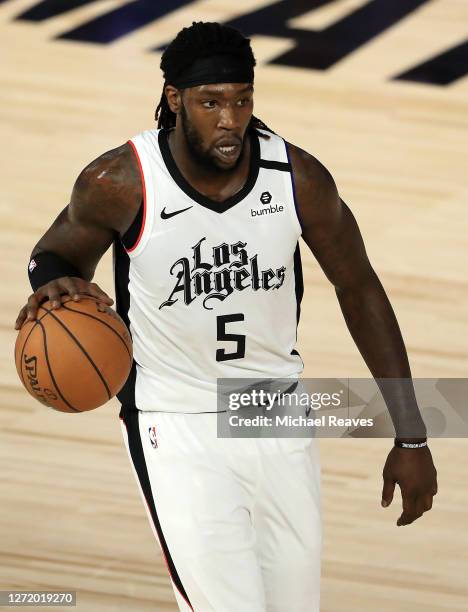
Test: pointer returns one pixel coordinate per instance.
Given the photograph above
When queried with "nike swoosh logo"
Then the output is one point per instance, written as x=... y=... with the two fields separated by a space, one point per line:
x=168 y=215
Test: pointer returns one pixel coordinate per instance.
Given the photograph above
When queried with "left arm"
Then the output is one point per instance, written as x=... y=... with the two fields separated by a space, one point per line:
x=332 y=234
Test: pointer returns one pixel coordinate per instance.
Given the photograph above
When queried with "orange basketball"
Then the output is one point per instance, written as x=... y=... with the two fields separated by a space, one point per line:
x=74 y=358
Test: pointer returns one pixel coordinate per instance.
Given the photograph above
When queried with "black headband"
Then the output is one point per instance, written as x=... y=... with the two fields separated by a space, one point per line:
x=214 y=69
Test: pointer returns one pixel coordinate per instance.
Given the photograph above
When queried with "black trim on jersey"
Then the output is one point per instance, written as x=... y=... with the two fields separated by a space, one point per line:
x=135 y=445
x=131 y=236
x=126 y=395
x=298 y=280
x=293 y=183
x=299 y=287
x=275 y=165
x=195 y=195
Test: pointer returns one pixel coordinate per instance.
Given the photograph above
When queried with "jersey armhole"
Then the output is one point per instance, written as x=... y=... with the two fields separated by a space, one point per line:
x=132 y=237
x=293 y=188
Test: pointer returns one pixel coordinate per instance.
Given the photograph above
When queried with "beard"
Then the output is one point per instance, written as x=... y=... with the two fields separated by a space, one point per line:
x=195 y=145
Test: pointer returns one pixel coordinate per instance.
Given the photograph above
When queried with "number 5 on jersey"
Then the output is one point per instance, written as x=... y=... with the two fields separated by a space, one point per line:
x=222 y=335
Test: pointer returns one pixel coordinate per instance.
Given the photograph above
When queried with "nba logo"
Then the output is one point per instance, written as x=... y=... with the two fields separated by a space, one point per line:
x=152 y=436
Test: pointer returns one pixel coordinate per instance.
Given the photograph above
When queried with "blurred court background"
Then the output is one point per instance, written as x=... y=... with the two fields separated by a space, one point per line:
x=377 y=90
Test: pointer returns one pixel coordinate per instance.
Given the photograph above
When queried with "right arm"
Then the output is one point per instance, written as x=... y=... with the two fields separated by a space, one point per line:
x=104 y=202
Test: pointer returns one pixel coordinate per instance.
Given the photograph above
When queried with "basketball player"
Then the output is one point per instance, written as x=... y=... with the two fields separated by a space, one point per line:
x=204 y=215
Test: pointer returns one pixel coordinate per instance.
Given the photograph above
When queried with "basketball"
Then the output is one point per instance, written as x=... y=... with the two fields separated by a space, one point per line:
x=74 y=358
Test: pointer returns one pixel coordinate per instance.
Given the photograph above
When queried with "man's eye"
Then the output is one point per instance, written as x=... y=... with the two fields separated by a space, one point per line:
x=209 y=104
x=243 y=102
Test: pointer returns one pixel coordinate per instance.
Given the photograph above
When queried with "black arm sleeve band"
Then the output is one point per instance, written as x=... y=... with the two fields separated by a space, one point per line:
x=46 y=266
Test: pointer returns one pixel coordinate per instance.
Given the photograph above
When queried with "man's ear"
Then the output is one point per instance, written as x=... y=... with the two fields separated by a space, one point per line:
x=174 y=98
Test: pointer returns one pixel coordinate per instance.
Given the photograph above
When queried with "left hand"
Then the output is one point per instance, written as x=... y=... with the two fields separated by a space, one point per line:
x=414 y=471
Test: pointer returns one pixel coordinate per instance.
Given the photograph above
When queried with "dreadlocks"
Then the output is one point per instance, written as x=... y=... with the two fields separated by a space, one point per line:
x=195 y=42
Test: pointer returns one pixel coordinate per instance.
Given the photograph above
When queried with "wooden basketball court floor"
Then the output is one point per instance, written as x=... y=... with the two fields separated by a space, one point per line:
x=71 y=517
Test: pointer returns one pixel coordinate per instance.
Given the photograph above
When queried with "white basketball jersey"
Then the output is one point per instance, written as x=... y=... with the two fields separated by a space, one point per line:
x=209 y=290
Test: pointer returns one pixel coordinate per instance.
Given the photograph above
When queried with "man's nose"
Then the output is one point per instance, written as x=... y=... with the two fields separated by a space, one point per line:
x=228 y=119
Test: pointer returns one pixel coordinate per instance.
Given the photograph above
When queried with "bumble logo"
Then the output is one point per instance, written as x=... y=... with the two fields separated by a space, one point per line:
x=266 y=198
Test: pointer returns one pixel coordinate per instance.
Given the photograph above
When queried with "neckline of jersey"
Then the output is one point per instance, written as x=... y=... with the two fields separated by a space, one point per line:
x=198 y=197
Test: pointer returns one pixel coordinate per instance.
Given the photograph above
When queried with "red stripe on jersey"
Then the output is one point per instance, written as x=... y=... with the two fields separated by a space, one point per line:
x=142 y=176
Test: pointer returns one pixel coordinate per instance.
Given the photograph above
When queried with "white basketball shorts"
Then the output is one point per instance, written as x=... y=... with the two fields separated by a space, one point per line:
x=238 y=520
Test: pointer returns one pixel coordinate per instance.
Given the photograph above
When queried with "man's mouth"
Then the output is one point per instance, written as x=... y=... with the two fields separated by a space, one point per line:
x=228 y=151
